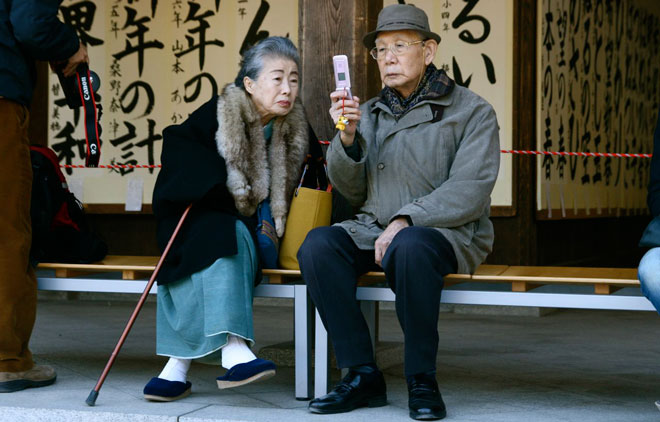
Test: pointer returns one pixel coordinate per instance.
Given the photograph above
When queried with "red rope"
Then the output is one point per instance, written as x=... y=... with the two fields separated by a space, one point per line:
x=504 y=151
x=579 y=154
x=112 y=166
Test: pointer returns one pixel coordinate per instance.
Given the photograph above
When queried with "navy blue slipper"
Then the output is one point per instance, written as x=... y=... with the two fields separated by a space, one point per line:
x=159 y=389
x=245 y=373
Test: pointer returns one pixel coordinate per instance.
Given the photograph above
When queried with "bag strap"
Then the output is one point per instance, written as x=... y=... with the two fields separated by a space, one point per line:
x=92 y=132
x=302 y=177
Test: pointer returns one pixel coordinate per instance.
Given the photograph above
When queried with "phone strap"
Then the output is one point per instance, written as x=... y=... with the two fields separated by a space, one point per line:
x=342 y=121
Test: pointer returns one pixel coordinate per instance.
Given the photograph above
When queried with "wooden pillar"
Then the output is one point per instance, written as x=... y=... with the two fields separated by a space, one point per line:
x=328 y=28
x=524 y=110
x=516 y=236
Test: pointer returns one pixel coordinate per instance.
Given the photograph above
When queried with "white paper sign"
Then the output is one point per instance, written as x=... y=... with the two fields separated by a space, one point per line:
x=134 y=191
x=76 y=187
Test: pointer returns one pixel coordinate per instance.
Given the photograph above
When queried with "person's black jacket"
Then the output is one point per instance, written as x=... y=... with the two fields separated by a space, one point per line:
x=194 y=172
x=30 y=30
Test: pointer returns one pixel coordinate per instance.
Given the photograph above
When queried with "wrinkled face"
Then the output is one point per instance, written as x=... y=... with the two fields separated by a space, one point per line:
x=404 y=71
x=276 y=88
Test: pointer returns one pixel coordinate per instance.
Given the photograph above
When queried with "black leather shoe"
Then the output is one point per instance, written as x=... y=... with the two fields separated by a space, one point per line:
x=361 y=387
x=424 y=399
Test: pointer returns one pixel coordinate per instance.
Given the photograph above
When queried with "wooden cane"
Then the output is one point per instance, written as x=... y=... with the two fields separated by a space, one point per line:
x=91 y=399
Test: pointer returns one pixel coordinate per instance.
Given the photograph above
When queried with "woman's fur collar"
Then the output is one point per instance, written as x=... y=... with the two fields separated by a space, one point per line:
x=252 y=174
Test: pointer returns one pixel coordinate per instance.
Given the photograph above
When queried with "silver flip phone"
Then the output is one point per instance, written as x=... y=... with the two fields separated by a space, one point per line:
x=342 y=74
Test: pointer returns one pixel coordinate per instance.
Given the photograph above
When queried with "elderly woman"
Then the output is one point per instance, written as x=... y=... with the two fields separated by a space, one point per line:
x=243 y=149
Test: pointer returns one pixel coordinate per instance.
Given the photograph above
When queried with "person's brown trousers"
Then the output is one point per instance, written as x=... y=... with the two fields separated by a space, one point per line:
x=18 y=285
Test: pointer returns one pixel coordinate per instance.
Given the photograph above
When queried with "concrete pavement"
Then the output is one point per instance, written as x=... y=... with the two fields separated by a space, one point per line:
x=565 y=366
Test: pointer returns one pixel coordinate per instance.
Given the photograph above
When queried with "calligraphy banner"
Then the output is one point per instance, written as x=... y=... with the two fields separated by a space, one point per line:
x=476 y=50
x=598 y=91
x=157 y=61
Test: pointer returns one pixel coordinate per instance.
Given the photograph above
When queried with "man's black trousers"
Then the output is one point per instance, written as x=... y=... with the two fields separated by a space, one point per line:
x=414 y=264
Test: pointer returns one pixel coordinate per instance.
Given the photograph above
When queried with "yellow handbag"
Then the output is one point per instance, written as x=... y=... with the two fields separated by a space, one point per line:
x=310 y=208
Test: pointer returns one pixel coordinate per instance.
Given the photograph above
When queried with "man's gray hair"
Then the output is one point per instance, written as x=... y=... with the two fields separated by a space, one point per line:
x=252 y=61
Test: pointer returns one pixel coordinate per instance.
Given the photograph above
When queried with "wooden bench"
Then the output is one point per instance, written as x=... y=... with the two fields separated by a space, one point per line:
x=522 y=285
x=599 y=285
x=130 y=274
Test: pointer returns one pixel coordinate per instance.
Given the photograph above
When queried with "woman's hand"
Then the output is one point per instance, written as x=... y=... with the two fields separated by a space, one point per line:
x=350 y=110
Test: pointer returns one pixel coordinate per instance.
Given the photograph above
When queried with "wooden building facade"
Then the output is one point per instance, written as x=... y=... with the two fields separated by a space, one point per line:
x=522 y=237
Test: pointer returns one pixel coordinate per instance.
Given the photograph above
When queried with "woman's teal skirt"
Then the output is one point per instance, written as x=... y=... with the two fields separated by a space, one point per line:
x=195 y=314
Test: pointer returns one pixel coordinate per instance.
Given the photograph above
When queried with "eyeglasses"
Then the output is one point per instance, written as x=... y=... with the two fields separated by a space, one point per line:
x=398 y=48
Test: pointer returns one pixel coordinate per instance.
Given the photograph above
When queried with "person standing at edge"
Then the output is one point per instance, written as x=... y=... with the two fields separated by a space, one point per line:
x=648 y=271
x=29 y=31
x=420 y=161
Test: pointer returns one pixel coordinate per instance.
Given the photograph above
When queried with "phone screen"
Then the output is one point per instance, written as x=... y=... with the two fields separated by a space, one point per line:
x=341 y=76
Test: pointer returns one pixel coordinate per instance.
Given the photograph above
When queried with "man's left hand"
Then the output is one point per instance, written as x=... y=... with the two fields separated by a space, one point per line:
x=384 y=240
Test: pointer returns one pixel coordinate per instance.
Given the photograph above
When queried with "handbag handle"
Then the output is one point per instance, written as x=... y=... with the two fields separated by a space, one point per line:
x=302 y=177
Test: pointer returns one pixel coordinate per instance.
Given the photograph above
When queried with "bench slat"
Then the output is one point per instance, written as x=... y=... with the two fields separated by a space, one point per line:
x=623 y=277
x=110 y=263
x=522 y=278
x=485 y=271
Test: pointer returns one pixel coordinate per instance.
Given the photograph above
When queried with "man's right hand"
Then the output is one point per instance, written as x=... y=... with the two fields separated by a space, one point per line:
x=350 y=109
x=72 y=64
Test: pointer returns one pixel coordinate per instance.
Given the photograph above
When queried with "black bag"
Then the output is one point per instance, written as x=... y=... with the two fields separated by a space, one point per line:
x=60 y=232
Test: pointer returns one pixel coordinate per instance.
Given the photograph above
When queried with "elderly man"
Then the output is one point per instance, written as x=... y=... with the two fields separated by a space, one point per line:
x=420 y=161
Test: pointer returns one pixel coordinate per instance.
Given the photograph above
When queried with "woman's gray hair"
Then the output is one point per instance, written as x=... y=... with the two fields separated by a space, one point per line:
x=252 y=61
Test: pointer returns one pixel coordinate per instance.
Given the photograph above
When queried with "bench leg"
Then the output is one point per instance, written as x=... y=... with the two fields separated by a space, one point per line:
x=303 y=325
x=370 y=311
x=321 y=377
x=321 y=359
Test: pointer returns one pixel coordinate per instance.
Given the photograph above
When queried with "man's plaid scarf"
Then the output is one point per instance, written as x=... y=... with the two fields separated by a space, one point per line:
x=434 y=84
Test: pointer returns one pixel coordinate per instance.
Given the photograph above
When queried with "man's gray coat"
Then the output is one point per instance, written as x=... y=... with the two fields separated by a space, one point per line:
x=437 y=164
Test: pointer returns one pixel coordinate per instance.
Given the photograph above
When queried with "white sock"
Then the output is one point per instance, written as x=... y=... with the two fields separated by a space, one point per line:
x=175 y=370
x=236 y=351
